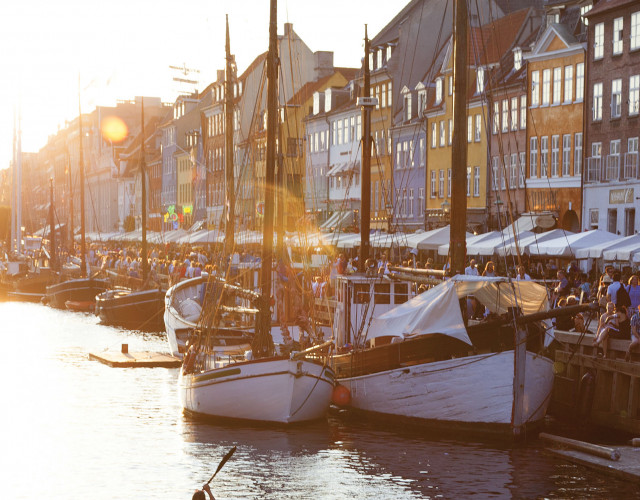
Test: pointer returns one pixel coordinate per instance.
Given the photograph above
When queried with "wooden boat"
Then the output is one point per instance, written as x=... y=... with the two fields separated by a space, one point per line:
x=136 y=309
x=267 y=384
x=80 y=306
x=76 y=290
x=419 y=362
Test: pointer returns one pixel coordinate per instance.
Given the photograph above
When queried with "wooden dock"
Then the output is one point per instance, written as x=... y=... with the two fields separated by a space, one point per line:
x=613 y=401
x=136 y=359
x=627 y=468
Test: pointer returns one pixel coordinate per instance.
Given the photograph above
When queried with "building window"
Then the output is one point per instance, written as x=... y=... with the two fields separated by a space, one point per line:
x=480 y=80
x=383 y=102
x=523 y=112
x=544 y=156
x=407 y=106
x=433 y=183
x=557 y=85
x=566 y=155
x=505 y=115
x=616 y=98
x=514 y=113
x=443 y=133
x=450 y=131
x=495 y=172
x=422 y=102
x=469 y=128
x=478 y=129
x=434 y=134
x=468 y=181
x=517 y=58
x=503 y=172
x=629 y=221
x=521 y=170
x=546 y=87
x=410 y=202
x=513 y=171
x=555 y=155
x=389 y=93
x=535 y=88
x=438 y=90
x=533 y=157
x=422 y=151
x=449 y=182
x=441 y=183
x=450 y=86
x=635 y=31
x=579 y=82
x=421 y=201
x=577 y=154
x=568 y=84
x=617 y=36
x=598 y=41
x=496 y=117
x=476 y=181
x=597 y=102
x=613 y=161
x=634 y=94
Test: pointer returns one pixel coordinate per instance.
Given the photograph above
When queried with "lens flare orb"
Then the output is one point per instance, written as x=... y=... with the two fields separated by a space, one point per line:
x=114 y=129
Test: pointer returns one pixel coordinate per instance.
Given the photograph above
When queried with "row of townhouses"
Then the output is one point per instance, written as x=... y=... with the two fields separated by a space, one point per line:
x=553 y=98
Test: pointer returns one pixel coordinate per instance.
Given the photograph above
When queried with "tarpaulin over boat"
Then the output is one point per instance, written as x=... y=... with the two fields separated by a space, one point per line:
x=438 y=309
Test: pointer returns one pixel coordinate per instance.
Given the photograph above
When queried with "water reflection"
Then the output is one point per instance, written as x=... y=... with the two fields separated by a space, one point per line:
x=74 y=428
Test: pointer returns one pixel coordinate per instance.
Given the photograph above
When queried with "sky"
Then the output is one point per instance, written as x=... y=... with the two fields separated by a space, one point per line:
x=121 y=49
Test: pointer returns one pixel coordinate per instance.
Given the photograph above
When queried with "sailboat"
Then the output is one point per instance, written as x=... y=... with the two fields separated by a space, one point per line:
x=416 y=359
x=80 y=293
x=261 y=385
x=135 y=309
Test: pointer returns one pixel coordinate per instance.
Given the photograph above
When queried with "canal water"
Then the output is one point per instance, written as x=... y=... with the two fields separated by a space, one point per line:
x=72 y=428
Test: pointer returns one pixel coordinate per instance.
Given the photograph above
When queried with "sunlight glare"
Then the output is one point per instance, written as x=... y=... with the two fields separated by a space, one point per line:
x=114 y=129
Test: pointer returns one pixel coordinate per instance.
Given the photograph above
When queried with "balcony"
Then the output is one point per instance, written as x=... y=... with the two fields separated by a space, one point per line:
x=612 y=170
x=594 y=167
x=631 y=170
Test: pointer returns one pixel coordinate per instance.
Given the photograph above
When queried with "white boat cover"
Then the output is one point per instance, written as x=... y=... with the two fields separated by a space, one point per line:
x=438 y=309
x=567 y=246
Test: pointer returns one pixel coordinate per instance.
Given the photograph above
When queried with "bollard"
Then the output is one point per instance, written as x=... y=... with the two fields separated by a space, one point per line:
x=125 y=348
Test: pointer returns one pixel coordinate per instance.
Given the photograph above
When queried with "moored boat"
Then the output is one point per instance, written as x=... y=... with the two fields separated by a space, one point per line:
x=137 y=310
x=75 y=290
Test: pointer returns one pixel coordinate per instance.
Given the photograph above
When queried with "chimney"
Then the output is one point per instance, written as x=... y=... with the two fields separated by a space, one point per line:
x=323 y=63
x=220 y=75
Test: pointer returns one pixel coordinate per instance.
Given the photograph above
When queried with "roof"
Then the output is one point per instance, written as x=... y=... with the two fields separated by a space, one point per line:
x=606 y=5
x=309 y=88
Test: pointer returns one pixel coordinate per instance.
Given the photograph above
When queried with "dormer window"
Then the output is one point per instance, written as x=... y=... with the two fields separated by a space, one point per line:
x=371 y=61
x=388 y=52
x=422 y=99
x=379 y=53
x=517 y=58
x=327 y=100
x=480 y=80
x=438 y=90
x=406 y=93
x=316 y=103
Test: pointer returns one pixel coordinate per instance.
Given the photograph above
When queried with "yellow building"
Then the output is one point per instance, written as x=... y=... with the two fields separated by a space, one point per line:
x=185 y=173
x=556 y=76
x=439 y=121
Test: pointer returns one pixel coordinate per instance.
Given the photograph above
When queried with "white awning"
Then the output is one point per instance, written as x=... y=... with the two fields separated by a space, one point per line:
x=567 y=246
x=624 y=249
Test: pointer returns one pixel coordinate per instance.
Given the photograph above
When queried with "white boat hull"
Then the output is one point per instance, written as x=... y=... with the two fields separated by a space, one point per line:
x=273 y=390
x=475 y=391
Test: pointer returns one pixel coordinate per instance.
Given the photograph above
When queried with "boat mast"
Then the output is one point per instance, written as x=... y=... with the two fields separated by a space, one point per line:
x=71 y=229
x=143 y=173
x=229 y=237
x=263 y=343
x=83 y=243
x=14 y=188
x=365 y=186
x=19 y=189
x=52 y=224
x=458 y=245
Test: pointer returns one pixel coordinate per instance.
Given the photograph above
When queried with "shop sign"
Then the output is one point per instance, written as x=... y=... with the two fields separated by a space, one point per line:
x=619 y=196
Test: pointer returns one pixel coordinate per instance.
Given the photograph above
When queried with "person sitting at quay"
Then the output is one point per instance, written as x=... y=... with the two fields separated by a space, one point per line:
x=613 y=324
x=634 y=324
x=522 y=275
x=489 y=270
x=471 y=269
